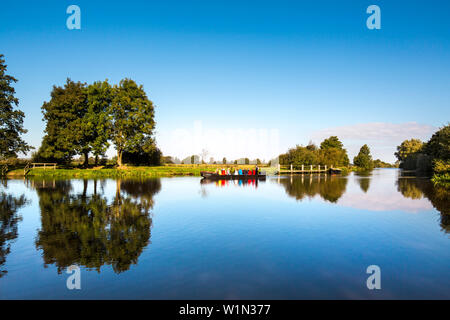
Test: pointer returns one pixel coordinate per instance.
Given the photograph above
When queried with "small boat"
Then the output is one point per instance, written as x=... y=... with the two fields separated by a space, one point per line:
x=335 y=171
x=215 y=176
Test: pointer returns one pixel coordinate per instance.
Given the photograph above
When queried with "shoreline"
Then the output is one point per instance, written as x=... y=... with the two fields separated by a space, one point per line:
x=144 y=171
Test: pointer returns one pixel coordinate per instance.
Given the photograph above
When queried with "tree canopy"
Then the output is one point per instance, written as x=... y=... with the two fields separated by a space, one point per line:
x=331 y=153
x=64 y=115
x=364 y=159
x=132 y=116
x=432 y=156
x=11 y=120
x=408 y=147
x=331 y=142
x=82 y=119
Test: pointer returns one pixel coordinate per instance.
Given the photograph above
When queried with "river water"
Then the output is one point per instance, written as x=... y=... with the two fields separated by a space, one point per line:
x=289 y=237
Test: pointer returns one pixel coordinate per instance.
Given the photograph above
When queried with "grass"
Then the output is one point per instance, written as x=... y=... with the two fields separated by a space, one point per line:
x=128 y=171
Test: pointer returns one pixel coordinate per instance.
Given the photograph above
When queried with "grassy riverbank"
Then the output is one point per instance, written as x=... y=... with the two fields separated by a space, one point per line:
x=129 y=171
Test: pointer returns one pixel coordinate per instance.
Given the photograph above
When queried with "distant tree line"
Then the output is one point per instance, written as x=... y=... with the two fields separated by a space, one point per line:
x=83 y=119
x=331 y=153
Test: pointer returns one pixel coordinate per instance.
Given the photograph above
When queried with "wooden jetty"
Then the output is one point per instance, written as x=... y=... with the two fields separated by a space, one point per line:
x=307 y=169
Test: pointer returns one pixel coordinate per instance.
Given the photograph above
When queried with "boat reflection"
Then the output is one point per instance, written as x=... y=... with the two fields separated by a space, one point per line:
x=90 y=230
x=237 y=183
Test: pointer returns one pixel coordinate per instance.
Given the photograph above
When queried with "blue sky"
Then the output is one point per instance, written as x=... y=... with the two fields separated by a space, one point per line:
x=304 y=70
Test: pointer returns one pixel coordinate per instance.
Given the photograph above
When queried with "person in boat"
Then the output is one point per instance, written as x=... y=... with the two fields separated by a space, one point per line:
x=256 y=170
x=235 y=172
x=240 y=172
x=228 y=171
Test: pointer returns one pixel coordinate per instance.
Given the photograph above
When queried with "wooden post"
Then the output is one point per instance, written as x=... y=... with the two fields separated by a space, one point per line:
x=279 y=169
x=325 y=167
x=311 y=168
x=303 y=168
x=319 y=168
x=291 y=168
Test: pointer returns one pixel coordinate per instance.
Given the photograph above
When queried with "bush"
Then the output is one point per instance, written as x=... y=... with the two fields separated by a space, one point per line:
x=441 y=166
x=141 y=157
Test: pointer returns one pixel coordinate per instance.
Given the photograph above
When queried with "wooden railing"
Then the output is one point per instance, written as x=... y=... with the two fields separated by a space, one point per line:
x=26 y=169
x=37 y=165
x=303 y=169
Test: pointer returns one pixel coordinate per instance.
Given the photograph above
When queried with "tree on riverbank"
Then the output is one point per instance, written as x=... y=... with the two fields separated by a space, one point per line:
x=82 y=119
x=96 y=125
x=430 y=157
x=331 y=153
x=64 y=115
x=11 y=121
x=408 y=152
x=132 y=117
x=364 y=159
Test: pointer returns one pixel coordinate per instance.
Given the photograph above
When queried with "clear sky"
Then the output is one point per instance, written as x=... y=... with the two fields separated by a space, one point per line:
x=231 y=75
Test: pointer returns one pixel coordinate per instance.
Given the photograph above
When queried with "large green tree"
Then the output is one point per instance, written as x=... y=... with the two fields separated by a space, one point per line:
x=407 y=148
x=11 y=121
x=64 y=114
x=132 y=115
x=363 y=160
x=332 y=152
x=438 y=147
x=95 y=126
x=77 y=121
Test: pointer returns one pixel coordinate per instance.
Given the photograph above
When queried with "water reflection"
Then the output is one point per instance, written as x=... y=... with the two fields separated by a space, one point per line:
x=88 y=230
x=9 y=219
x=236 y=183
x=416 y=188
x=238 y=243
x=330 y=188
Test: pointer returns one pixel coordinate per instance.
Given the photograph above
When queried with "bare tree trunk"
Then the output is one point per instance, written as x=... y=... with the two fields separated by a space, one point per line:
x=119 y=158
x=86 y=159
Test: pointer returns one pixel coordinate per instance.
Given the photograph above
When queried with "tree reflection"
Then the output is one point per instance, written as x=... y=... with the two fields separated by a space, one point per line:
x=364 y=184
x=330 y=188
x=416 y=188
x=9 y=219
x=87 y=230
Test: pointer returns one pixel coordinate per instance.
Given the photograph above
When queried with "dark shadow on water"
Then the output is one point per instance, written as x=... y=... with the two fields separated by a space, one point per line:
x=330 y=188
x=416 y=188
x=9 y=219
x=91 y=231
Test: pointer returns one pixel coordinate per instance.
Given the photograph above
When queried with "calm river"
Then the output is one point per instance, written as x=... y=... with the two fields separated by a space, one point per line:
x=177 y=238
